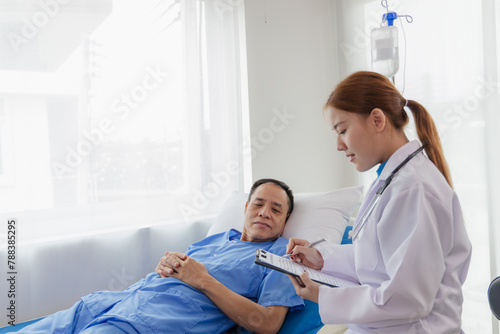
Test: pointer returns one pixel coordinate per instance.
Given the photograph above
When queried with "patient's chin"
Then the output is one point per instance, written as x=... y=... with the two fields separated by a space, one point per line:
x=260 y=234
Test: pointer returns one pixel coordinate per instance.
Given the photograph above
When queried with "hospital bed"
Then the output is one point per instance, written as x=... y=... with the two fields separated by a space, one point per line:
x=64 y=270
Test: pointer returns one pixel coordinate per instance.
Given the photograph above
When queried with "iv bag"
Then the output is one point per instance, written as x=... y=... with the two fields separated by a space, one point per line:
x=385 y=54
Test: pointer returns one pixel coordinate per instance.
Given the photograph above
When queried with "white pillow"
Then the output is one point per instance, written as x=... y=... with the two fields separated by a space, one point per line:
x=315 y=215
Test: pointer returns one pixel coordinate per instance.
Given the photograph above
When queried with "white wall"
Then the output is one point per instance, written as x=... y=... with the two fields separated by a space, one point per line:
x=292 y=59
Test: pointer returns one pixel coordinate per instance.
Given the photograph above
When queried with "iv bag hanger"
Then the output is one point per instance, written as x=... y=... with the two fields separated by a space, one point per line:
x=389 y=17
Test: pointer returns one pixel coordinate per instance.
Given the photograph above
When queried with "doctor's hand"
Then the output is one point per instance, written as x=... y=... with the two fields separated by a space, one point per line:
x=300 y=253
x=305 y=287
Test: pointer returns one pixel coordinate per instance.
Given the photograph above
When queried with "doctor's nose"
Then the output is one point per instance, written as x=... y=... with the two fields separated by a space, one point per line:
x=340 y=145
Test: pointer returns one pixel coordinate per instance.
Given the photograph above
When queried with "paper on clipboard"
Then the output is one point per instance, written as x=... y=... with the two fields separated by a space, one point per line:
x=287 y=266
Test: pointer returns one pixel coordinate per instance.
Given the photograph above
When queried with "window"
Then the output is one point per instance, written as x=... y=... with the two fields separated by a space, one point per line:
x=119 y=112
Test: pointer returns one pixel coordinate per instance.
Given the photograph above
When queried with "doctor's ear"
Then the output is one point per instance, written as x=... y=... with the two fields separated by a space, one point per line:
x=378 y=119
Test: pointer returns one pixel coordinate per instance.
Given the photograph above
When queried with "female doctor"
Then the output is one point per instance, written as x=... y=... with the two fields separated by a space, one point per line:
x=410 y=250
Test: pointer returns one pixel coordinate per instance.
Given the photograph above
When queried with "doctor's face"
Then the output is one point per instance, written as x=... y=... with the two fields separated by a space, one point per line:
x=355 y=137
x=265 y=214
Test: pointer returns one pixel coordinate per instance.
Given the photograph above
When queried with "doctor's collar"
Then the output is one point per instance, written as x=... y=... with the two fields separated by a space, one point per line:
x=381 y=168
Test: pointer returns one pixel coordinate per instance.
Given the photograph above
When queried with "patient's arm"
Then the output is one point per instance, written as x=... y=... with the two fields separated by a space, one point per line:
x=246 y=313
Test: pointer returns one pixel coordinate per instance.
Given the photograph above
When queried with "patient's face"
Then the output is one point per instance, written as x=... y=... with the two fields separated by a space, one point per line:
x=265 y=214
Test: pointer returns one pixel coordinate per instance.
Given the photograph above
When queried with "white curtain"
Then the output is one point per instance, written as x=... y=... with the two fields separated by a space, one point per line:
x=449 y=62
x=117 y=113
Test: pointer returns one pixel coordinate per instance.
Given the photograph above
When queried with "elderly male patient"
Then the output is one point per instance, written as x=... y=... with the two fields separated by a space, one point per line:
x=212 y=287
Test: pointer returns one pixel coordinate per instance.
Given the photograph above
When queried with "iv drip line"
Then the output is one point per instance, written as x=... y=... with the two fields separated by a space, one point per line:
x=404 y=58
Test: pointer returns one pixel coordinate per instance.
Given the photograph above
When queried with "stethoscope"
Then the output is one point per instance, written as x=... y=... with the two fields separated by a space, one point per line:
x=380 y=191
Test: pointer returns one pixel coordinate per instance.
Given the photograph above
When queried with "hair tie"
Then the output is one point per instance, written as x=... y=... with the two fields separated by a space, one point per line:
x=406 y=103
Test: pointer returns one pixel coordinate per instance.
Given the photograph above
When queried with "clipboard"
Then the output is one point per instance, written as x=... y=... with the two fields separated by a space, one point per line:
x=287 y=266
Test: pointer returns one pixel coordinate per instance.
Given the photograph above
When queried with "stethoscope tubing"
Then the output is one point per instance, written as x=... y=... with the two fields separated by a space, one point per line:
x=373 y=203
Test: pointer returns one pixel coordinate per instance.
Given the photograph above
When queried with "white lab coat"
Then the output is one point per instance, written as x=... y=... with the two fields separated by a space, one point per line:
x=411 y=257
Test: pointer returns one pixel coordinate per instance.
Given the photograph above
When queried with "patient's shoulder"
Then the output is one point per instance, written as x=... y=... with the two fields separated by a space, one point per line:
x=279 y=246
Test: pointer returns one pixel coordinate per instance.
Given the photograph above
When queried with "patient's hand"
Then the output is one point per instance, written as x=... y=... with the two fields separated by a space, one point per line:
x=169 y=263
x=185 y=268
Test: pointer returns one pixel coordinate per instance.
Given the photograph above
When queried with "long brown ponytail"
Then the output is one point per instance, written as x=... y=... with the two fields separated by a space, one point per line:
x=363 y=91
x=429 y=137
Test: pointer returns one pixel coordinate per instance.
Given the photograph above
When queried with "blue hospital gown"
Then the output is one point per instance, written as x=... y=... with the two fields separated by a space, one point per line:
x=167 y=305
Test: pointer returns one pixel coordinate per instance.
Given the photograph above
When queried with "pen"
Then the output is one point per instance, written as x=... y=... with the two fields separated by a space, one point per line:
x=312 y=244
